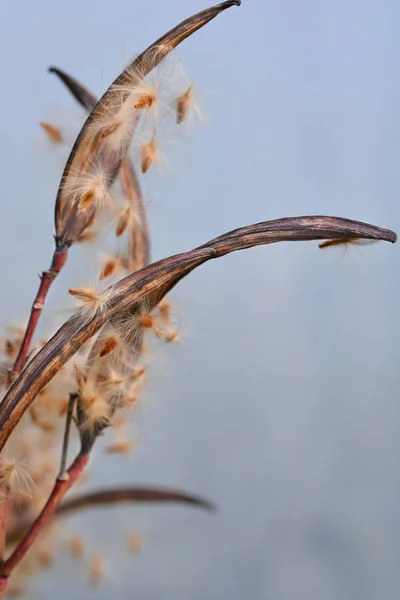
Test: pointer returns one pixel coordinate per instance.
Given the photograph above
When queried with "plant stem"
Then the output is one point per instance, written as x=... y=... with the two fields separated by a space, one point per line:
x=60 y=488
x=4 y=508
x=3 y=584
x=63 y=473
x=59 y=259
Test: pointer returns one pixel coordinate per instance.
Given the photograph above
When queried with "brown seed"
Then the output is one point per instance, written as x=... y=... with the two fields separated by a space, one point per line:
x=135 y=543
x=146 y=100
x=330 y=243
x=119 y=448
x=146 y=321
x=54 y=133
x=145 y=349
x=86 y=200
x=96 y=570
x=83 y=294
x=76 y=547
x=172 y=336
x=45 y=556
x=119 y=419
x=182 y=105
x=138 y=374
x=345 y=242
x=86 y=236
x=109 y=130
x=109 y=268
x=9 y=348
x=165 y=308
x=123 y=221
x=109 y=345
x=63 y=408
x=149 y=152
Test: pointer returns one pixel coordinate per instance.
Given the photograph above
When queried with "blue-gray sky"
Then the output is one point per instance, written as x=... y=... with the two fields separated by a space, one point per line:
x=282 y=403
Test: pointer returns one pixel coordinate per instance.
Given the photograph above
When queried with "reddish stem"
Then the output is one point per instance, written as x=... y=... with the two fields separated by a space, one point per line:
x=60 y=489
x=46 y=279
x=4 y=506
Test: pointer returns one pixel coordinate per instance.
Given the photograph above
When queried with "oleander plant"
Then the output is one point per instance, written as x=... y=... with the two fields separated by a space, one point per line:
x=64 y=391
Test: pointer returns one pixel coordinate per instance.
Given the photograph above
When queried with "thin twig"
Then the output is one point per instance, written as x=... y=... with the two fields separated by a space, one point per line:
x=59 y=490
x=4 y=509
x=71 y=404
x=59 y=259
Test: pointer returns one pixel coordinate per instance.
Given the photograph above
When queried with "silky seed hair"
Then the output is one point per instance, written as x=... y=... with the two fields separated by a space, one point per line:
x=90 y=187
x=14 y=476
x=93 y=300
x=95 y=407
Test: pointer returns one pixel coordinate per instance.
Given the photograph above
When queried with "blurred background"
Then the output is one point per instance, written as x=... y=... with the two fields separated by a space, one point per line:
x=281 y=403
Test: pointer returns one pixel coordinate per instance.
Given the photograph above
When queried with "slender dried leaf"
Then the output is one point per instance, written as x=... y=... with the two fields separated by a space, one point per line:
x=152 y=283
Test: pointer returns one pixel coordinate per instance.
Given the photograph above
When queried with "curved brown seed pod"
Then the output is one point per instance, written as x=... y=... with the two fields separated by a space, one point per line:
x=131 y=494
x=139 y=235
x=80 y=93
x=115 y=496
x=152 y=283
x=106 y=135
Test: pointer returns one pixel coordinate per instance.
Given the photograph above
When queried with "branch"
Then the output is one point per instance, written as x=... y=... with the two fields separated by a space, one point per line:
x=152 y=283
x=60 y=489
x=4 y=513
x=59 y=259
